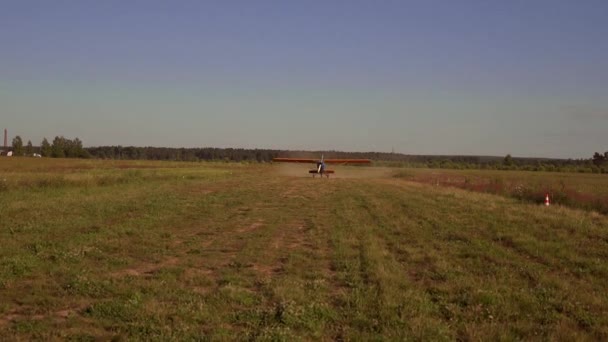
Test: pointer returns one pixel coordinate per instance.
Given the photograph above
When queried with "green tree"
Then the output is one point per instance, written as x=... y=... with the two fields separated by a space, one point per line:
x=45 y=148
x=69 y=149
x=599 y=159
x=76 y=149
x=17 y=146
x=58 y=147
x=508 y=161
x=29 y=149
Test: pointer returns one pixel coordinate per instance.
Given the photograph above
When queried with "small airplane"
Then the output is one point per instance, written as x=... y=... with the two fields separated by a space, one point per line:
x=321 y=168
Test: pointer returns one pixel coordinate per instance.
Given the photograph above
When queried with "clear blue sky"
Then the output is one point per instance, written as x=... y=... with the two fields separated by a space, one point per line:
x=528 y=78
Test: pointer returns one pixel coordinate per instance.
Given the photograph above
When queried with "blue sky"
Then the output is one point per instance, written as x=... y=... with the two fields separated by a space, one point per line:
x=528 y=78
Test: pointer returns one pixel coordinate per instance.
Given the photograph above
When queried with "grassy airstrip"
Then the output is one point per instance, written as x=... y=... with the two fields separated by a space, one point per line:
x=161 y=250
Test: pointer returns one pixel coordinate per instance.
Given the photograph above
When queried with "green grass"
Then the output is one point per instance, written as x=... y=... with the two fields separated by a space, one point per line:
x=161 y=250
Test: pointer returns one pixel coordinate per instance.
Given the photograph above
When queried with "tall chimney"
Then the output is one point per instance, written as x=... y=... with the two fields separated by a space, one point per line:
x=5 y=140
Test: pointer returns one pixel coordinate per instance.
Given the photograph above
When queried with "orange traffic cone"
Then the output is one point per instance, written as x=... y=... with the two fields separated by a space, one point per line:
x=547 y=200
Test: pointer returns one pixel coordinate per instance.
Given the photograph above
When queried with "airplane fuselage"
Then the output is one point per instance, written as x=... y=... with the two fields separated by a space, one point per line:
x=321 y=170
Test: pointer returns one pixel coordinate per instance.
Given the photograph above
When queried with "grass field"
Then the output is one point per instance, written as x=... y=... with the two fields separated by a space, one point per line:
x=578 y=190
x=160 y=250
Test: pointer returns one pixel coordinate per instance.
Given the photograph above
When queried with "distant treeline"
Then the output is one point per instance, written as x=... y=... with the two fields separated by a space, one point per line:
x=597 y=164
x=62 y=147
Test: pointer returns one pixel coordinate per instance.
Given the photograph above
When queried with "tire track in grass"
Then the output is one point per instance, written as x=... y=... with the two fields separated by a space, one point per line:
x=248 y=218
x=198 y=254
x=436 y=273
x=544 y=283
x=379 y=300
x=287 y=276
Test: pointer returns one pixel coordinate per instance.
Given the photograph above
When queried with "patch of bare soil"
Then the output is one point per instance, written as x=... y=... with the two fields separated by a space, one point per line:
x=24 y=312
x=201 y=290
x=147 y=269
x=251 y=227
x=265 y=270
x=193 y=272
x=198 y=190
x=290 y=237
x=285 y=240
x=293 y=191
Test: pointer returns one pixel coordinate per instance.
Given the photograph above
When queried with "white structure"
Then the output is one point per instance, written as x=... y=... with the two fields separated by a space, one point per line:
x=9 y=153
